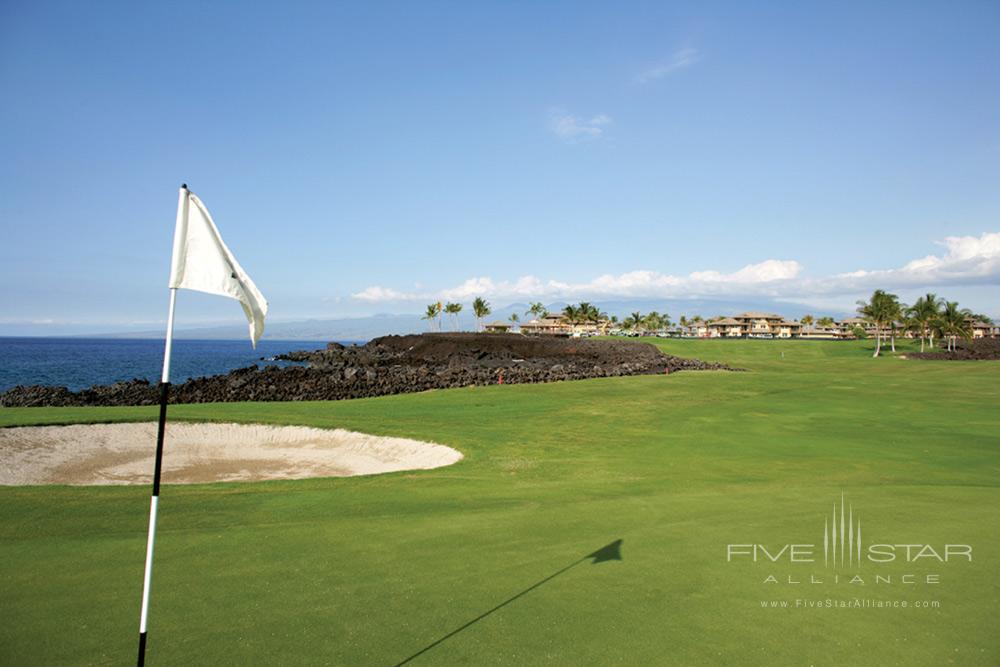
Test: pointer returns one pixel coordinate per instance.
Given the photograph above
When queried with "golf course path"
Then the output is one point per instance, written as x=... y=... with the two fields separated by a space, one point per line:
x=101 y=454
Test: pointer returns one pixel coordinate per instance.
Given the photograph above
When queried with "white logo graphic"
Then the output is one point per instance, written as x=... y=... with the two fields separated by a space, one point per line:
x=843 y=547
x=851 y=544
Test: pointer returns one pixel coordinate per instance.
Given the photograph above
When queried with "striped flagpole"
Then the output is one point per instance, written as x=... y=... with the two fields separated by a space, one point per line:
x=164 y=394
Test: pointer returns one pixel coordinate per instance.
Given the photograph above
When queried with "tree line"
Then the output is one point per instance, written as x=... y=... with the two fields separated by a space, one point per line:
x=436 y=311
x=929 y=317
x=573 y=314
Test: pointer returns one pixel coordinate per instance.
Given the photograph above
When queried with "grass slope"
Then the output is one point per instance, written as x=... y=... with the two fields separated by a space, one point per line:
x=374 y=570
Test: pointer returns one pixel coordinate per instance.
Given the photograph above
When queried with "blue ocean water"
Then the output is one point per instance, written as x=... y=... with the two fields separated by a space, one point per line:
x=78 y=363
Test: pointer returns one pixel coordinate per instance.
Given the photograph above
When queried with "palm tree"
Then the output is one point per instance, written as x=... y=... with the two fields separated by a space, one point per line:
x=453 y=309
x=894 y=312
x=431 y=314
x=870 y=310
x=953 y=322
x=910 y=325
x=588 y=312
x=825 y=322
x=654 y=321
x=633 y=321
x=536 y=309
x=514 y=319
x=880 y=310
x=923 y=313
x=480 y=308
x=571 y=314
x=585 y=312
x=683 y=321
x=807 y=320
x=597 y=317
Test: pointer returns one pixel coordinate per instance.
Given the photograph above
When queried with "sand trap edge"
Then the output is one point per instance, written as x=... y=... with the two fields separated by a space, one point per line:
x=203 y=453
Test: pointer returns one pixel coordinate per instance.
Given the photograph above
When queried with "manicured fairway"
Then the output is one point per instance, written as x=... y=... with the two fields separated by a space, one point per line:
x=375 y=570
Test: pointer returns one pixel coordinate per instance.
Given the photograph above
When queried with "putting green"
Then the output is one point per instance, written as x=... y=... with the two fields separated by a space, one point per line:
x=484 y=562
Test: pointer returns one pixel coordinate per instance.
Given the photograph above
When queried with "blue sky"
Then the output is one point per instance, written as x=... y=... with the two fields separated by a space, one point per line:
x=373 y=157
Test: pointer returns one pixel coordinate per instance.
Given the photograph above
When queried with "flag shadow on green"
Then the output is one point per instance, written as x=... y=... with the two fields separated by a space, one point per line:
x=609 y=552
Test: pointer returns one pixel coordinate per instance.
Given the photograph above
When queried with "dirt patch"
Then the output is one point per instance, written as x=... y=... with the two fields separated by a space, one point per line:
x=103 y=454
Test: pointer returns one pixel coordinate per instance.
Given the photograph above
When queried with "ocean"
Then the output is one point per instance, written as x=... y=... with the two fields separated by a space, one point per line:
x=78 y=363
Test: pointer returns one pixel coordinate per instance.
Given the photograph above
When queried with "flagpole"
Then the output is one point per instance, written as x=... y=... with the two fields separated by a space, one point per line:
x=179 y=230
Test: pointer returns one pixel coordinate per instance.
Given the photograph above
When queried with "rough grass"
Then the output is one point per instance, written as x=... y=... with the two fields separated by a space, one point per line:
x=372 y=570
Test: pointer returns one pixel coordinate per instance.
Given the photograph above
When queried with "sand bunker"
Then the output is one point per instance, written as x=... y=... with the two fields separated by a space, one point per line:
x=199 y=453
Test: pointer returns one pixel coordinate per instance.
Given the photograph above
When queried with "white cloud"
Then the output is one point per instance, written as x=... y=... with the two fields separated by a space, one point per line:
x=376 y=294
x=680 y=59
x=755 y=278
x=765 y=272
x=572 y=129
x=967 y=260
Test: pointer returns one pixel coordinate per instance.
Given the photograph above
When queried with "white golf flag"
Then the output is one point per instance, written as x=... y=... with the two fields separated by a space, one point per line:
x=202 y=262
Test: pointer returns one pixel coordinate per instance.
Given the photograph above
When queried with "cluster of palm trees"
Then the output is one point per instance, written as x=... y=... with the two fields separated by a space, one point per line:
x=809 y=320
x=686 y=321
x=436 y=311
x=652 y=321
x=929 y=317
x=583 y=313
x=536 y=310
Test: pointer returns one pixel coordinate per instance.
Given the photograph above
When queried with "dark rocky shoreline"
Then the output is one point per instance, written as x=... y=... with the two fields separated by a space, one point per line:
x=388 y=365
x=980 y=349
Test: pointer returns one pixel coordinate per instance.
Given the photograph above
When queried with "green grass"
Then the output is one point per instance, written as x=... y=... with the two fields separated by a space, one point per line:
x=372 y=570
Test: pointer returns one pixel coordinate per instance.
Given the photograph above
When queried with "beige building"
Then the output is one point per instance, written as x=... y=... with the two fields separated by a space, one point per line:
x=788 y=329
x=727 y=327
x=816 y=332
x=847 y=327
x=982 y=329
x=551 y=323
x=556 y=324
x=498 y=327
x=700 y=329
x=753 y=324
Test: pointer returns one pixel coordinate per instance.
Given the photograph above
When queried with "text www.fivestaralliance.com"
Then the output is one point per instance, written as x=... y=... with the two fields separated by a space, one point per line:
x=850 y=603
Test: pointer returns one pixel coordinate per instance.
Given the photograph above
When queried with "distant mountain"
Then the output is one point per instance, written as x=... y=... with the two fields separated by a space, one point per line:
x=354 y=329
x=366 y=328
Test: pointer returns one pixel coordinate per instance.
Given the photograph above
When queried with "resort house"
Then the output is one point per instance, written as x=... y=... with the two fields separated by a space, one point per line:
x=550 y=323
x=498 y=327
x=751 y=324
x=557 y=324
x=727 y=327
x=754 y=324
x=982 y=329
